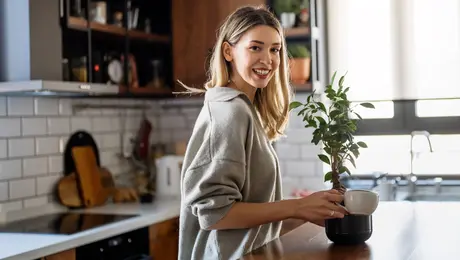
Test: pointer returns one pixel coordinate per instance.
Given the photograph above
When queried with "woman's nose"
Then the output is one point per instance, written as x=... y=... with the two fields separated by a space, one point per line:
x=266 y=59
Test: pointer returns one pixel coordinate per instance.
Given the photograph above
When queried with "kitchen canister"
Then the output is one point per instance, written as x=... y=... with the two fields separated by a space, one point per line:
x=168 y=175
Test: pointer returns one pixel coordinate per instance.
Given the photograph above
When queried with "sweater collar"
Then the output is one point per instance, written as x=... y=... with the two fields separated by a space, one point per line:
x=223 y=94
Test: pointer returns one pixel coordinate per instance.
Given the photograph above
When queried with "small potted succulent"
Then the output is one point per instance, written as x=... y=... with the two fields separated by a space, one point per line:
x=299 y=62
x=334 y=126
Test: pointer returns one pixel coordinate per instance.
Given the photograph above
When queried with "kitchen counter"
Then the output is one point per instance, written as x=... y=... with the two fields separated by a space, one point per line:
x=402 y=230
x=32 y=246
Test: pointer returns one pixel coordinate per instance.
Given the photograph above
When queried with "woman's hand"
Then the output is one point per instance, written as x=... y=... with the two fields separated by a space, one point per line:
x=319 y=206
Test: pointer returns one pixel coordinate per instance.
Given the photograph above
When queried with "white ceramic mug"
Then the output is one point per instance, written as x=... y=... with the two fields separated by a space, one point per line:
x=361 y=202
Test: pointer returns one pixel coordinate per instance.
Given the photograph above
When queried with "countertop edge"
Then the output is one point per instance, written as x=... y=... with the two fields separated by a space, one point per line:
x=96 y=234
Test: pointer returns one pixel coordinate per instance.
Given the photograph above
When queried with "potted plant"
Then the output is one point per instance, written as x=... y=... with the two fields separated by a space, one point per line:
x=334 y=126
x=299 y=63
x=287 y=11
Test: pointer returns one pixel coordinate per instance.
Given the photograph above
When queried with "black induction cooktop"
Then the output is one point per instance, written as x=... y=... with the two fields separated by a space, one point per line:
x=61 y=223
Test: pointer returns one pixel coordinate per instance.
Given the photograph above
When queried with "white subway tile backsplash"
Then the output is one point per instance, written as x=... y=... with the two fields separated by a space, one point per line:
x=35 y=131
x=179 y=135
x=56 y=164
x=80 y=123
x=109 y=158
x=65 y=107
x=310 y=151
x=173 y=122
x=36 y=202
x=11 y=127
x=35 y=166
x=3 y=106
x=33 y=126
x=111 y=140
x=22 y=188
x=20 y=106
x=63 y=143
x=101 y=124
x=301 y=136
x=46 y=184
x=58 y=125
x=47 y=145
x=4 y=191
x=301 y=168
x=11 y=206
x=10 y=169
x=46 y=106
x=288 y=151
x=3 y=148
x=21 y=147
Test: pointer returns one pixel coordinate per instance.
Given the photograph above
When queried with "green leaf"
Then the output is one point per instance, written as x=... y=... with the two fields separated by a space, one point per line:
x=352 y=160
x=321 y=120
x=333 y=78
x=322 y=107
x=367 y=105
x=294 y=104
x=324 y=158
x=358 y=115
x=344 y=169
x=341 y=81
x=362 y=144
x=328 y=176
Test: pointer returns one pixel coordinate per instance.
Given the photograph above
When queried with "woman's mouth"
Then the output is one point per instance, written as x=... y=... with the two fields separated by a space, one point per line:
x=261 y=73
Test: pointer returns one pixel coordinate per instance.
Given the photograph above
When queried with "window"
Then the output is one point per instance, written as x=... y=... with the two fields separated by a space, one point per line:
x=435 y=47
x=360 y=42
x=396 y=53
x=391 y=153
x=437 y=108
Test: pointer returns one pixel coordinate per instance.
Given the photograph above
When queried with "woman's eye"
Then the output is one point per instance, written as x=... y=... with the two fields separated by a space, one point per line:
x=275 y=50
x=254 y=48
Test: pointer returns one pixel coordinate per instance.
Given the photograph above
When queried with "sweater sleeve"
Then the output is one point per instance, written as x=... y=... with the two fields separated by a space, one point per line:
x=211 y=188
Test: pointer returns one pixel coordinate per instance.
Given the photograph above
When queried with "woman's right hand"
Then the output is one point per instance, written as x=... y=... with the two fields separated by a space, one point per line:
x=320 y=205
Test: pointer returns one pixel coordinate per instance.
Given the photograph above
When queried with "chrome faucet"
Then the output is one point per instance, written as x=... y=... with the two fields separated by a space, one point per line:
x=412 y=178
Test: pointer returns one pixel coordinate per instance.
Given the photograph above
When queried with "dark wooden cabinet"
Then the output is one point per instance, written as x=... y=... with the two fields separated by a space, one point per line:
x=163 y=242
x=164 y=239
x=194 y=31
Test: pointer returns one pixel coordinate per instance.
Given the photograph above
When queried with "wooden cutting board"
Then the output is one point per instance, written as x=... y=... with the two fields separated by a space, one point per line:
x=69 y=192
x=88 y=177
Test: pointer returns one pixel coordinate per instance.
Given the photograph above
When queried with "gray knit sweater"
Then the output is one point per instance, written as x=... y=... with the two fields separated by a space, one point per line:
x=228 y=159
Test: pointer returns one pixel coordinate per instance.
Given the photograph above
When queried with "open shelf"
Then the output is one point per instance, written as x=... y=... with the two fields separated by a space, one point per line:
x=82 y=24
x=145 y=91
x=306 y=87
x=297 y=32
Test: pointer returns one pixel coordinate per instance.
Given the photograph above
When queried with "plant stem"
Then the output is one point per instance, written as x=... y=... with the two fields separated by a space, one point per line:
x=335 y=171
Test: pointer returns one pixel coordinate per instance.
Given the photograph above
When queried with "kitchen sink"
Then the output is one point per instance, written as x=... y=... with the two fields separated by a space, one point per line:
x=433 y=197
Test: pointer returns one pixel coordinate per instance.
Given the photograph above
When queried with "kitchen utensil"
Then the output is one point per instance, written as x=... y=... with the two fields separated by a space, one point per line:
x=69 y=193
x=79 y=138
x=87 y=170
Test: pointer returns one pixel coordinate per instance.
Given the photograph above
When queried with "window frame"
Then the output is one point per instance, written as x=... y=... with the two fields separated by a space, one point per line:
x=405 y=121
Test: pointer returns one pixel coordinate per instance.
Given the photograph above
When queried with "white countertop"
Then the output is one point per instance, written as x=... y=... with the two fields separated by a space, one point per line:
x=32 y=246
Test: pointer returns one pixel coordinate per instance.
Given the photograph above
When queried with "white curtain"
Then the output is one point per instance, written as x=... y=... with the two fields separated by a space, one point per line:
x=396 y=49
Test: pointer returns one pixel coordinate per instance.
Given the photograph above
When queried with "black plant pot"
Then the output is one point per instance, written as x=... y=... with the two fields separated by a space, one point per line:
x=350 y=230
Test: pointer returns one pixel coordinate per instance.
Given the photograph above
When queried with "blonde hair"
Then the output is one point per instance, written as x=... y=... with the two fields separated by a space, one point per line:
x=272 y=102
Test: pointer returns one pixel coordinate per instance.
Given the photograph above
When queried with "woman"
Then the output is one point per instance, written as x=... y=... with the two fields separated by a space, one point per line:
x=231 y=187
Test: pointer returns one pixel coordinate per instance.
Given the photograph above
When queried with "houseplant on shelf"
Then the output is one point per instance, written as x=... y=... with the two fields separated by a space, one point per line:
x=287 y=10
x=334 y=128
x=299 y=63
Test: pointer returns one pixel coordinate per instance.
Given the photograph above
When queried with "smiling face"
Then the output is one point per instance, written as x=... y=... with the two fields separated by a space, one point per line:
x=255 y=58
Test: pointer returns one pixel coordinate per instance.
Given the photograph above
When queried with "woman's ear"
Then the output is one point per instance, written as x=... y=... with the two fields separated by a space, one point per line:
x=227 y=51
